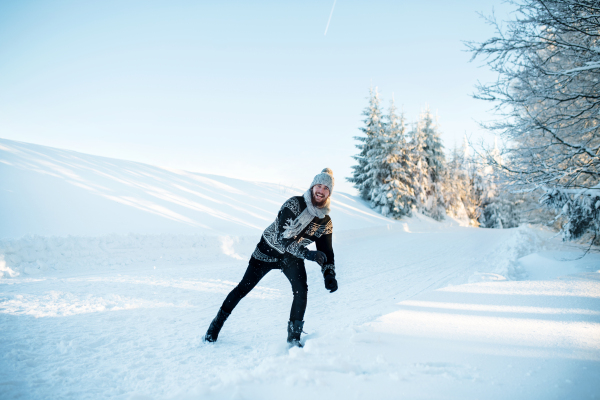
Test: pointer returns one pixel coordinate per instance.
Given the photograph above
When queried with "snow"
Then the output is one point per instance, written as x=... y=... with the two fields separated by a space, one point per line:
x=112 y=271
x=53 y=192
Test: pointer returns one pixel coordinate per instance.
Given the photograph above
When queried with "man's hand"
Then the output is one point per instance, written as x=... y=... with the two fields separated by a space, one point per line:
x=317 y=256
x=331 y=283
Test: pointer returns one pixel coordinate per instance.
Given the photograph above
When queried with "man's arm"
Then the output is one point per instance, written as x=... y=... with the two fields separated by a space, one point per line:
x=328 y=269
x=274 y=232
x=324 y=244
x=288 y=213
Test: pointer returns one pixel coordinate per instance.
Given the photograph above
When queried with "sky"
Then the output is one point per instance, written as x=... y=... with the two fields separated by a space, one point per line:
x=253 y=90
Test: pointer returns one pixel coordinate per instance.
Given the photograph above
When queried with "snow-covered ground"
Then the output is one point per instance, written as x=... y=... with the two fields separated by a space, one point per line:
x=112 y=270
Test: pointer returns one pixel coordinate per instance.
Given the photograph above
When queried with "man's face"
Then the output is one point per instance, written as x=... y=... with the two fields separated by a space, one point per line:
x=320 y=194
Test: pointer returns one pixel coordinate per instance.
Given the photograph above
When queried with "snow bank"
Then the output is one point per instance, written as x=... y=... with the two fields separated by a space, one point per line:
x=6 y=271
x=503 y=262
x=555 y=264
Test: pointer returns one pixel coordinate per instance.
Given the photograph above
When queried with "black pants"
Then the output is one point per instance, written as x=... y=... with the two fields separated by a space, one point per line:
x=294 y=270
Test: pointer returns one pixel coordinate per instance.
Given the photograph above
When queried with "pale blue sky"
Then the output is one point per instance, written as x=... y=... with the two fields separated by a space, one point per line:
x=245 y=89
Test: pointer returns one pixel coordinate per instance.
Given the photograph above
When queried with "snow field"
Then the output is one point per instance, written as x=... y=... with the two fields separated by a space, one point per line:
x=106 y=298
x=134 y=330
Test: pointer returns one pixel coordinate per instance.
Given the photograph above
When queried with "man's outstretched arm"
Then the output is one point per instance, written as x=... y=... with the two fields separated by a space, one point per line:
x=324 y=244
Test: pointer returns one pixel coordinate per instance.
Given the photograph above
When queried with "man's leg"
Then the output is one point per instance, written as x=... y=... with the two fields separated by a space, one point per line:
x=295 y=271
x=254 y=273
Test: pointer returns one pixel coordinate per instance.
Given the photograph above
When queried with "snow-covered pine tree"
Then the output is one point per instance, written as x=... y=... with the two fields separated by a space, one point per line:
x=465 y=185
x=476 y=187
x=498 y=205
x=436 y=161
x=499 y=213
x=457 y=185
x=580 y=210
x=434 y=150
x=421 y=178
x=430 y=160
x=392 y=191
x=362 y=176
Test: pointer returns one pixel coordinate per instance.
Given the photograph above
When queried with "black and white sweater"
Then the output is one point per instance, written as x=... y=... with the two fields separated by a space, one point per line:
x=273 y=246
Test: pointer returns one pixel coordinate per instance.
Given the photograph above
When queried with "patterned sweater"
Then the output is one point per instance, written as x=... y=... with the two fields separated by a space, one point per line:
x=273 y=246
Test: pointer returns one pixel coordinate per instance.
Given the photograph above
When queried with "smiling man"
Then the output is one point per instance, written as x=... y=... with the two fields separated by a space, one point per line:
x=300 y=221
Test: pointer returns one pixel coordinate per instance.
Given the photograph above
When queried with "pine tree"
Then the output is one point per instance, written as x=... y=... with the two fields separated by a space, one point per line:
x=457 y=186
x=362 y=176
x=434 y=150
x=472 y=195
x=392 y=192
x=421 y=178
x=435 y=158
x=498 y=205
x=430 y=161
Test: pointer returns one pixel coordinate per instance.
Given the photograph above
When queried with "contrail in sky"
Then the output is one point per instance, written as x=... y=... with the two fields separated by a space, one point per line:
x=329 y=20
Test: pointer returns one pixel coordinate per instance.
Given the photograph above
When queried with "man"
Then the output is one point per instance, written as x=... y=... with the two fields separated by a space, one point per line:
x=300 y=221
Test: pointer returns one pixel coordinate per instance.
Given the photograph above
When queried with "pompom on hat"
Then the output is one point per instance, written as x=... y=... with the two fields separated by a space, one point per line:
x=324 y=178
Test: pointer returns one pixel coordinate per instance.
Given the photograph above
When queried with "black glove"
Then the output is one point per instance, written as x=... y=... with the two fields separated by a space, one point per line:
x=331 y=283
x=317 y=256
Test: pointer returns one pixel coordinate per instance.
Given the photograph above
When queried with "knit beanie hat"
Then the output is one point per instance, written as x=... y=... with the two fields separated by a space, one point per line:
x=324 y=178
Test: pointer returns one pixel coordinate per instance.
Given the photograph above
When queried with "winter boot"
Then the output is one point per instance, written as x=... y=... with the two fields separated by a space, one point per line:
x=215 y=326
x=294 y=331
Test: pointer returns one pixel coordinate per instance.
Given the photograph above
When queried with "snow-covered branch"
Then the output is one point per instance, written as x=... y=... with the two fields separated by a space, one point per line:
x=548 y=96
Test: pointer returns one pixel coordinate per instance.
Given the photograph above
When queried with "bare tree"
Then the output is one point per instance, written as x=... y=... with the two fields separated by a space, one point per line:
x=548 y=98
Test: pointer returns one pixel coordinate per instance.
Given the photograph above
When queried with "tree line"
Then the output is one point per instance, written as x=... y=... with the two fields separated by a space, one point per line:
x=400 y=171
x=547 y=97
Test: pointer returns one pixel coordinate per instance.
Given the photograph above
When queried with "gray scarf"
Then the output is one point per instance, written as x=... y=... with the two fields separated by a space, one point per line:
x=293 y=228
